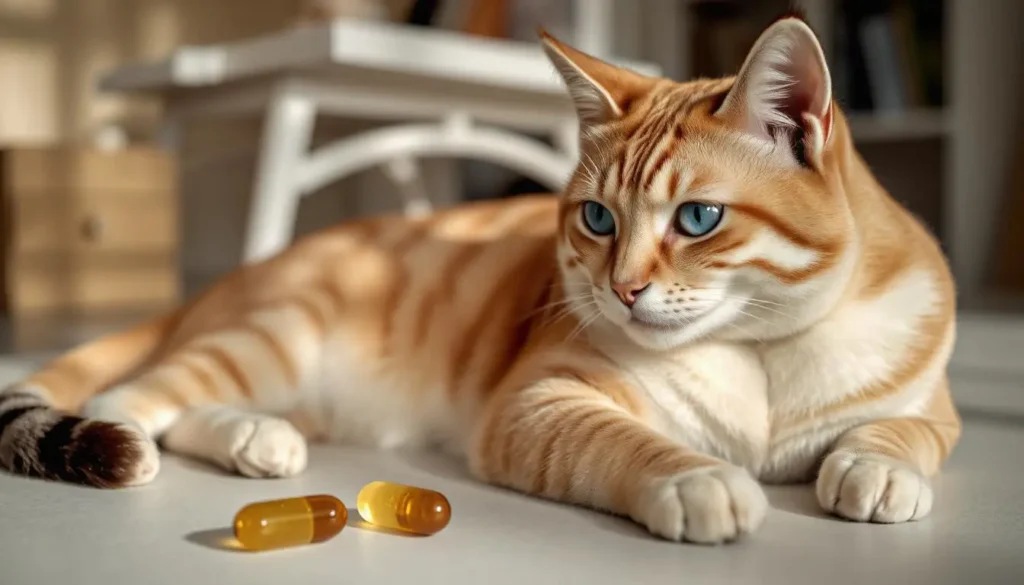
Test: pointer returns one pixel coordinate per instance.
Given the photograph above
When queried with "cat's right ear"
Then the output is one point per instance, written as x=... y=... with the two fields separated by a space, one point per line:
x=600 y=91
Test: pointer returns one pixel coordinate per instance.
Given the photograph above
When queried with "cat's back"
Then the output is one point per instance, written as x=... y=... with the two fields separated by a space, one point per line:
x=394 y=268
x=474 y=224
x=470 y=259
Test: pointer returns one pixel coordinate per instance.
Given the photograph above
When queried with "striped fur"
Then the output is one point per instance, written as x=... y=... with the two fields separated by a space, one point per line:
x=805 y=338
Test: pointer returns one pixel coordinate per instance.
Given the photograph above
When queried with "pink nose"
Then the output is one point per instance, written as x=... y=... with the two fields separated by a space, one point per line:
x=629 y=291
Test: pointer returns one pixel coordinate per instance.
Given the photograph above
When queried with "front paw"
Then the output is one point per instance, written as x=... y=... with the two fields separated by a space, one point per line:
x=710 y=505
x=264 y=446
x=872 y=488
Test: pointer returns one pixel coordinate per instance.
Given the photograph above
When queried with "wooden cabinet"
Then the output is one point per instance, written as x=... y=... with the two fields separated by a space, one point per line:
x=89 y=230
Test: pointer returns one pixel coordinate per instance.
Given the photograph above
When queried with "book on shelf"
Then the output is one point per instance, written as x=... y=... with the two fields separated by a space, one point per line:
x=890 y=53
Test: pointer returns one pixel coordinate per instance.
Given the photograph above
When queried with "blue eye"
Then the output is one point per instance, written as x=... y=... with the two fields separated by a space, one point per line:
x=697 y=219
x=598 y=219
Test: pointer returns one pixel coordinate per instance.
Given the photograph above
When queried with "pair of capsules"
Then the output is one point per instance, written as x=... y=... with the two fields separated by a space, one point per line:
x=311 y=519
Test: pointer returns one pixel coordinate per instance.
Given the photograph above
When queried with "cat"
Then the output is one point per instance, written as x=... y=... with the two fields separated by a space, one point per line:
x=722 y=297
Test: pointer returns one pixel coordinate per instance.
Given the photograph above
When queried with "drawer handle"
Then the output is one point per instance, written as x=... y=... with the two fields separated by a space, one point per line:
x=92 y=229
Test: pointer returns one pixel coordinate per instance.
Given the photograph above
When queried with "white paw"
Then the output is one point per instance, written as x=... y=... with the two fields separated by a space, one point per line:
x=263 y=446
x=710 y=505
x=872 y=488
x=148 y=465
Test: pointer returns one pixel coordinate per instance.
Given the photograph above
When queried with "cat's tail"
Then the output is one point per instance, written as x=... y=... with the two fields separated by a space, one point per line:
x=39 y=434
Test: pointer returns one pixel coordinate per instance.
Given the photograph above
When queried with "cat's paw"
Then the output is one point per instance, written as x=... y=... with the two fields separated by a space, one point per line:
x=710 y=505
x=147 y=464
x=872 y=488
x=110 y=454
x=264 y=446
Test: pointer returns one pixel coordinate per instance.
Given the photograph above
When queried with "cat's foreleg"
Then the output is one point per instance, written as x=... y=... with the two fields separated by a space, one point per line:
x=568 y=441
x=252 y=444
x=879 y=471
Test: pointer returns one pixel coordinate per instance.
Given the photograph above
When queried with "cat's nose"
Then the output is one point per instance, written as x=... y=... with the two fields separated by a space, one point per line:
x=628 y=292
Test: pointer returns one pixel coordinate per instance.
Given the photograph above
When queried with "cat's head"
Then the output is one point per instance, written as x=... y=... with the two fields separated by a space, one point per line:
x=713 y=208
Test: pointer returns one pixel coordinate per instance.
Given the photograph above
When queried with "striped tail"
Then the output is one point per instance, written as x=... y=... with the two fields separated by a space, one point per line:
x=40 y=437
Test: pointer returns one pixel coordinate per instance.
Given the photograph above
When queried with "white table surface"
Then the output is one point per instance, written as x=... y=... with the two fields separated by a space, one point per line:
x=168 y=532
x=516 y=66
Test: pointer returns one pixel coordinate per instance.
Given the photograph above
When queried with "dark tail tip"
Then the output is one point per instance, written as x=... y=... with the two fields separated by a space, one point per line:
x=39 y=441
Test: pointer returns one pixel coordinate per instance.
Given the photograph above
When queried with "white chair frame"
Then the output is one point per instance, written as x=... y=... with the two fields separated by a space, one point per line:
x=288 y=170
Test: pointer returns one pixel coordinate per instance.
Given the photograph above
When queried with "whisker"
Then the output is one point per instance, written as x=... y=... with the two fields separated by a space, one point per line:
x=587 y=325
x=589 y=164
x=561 y=302
x=583 y=325
x=766 y=302
x=773 y=310
x=567 y=310
x=759 y=303
x=754 y=317
x=748 y=334
x=719 y=289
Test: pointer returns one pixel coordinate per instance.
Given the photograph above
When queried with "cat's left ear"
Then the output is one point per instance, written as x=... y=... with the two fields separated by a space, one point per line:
x=600 y=92
x=784 y=88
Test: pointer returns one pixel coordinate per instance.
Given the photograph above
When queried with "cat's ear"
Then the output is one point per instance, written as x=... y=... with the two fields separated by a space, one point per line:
x=783 y=88
x=600 y=91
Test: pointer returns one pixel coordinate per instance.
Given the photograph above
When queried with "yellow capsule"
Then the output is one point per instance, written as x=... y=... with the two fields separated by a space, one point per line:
x=403 y=507
x=290 y=522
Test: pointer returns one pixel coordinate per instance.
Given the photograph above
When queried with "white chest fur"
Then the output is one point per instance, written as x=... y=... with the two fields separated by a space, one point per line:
x=711 y=396
x=817 y=380
x=762 y=407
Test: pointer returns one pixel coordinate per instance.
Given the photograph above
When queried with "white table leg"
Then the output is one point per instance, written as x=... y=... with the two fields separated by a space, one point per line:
x=405 y=173
x=286 y=136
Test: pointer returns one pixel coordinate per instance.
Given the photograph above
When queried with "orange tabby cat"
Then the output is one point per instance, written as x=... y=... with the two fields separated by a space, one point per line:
x=723 y=294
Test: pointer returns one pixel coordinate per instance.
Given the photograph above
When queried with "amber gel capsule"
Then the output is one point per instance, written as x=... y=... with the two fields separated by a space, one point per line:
x=403 y=507
x=289 y=522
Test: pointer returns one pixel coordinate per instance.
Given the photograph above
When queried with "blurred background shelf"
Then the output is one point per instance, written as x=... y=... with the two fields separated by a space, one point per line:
x=910 y=125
